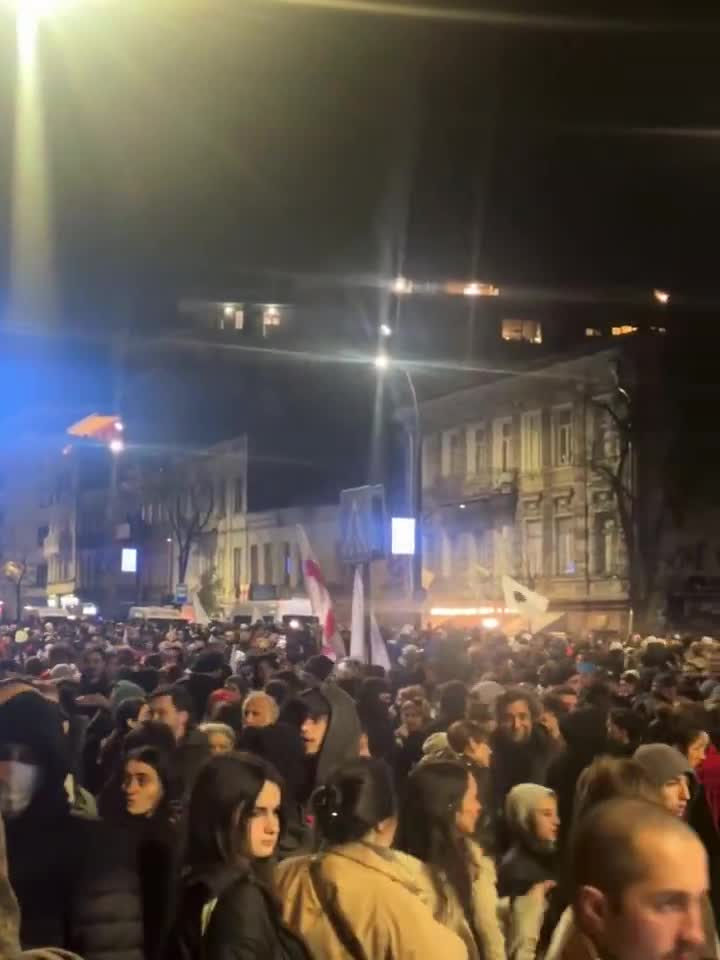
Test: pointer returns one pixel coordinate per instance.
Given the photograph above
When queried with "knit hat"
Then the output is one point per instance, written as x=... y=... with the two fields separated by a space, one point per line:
x=125 y=690
x=661 y=763
x=520 y=804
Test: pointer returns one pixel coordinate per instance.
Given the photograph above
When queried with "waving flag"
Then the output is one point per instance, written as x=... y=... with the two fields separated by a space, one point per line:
x=319 y=595
x=357 y=622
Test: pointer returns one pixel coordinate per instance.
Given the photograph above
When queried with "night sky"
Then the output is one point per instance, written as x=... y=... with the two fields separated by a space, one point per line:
x=194 y=143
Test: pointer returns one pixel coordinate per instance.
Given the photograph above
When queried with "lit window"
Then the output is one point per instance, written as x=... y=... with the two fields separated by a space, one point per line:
x=271 y=318
x=660 y=330
x=528 y=331
x=623 y=331
x=592 y=332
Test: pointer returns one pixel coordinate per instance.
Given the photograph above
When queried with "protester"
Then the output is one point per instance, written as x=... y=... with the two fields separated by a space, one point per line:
x=638 y=884
x=357 y=897
x=220 y=736
x=153 y=814
x=173 y=706
x=225 y=905
x=668 y=770
x=528 y=870
x=260 y=710
x=438 y=818
x=522 y=749
x=69 y=896
x=330 y=730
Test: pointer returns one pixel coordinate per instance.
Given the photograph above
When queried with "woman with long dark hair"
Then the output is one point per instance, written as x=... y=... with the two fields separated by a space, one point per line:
x=438 y=818
x=151 y=814
x=358 y=897
x=225 y=908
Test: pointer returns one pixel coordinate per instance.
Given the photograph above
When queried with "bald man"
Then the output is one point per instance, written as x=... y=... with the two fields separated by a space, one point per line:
x=639 y=885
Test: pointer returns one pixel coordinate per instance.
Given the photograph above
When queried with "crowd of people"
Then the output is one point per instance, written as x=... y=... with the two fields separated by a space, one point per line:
x=229 y=793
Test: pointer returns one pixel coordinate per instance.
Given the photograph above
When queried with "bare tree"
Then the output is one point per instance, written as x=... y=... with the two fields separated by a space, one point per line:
x=632 y=452
x=186 y=491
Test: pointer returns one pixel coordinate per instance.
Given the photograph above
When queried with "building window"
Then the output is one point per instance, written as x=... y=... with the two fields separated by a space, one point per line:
x=287 y=565
x=534 y=548
x=268 y=572
x=563 y=436
x=564 y=546
x=605 y=545
x=41 y=575
x=593 y=332
x=237 y=570
x=623 y=330
x=239 y=495
x=42 y=535
x=477 y=453
x=254 y=564
x=531 y=434
x=503 y=446
x=232 y=317
x=452 y=453
x=528 y=331
x=271 y=319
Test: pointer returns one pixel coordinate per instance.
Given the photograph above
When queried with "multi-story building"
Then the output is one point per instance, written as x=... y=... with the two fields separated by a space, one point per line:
x=24 y=531
x=510 y=487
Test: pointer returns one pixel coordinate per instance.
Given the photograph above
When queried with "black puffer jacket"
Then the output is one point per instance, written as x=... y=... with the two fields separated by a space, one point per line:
x=75 y=879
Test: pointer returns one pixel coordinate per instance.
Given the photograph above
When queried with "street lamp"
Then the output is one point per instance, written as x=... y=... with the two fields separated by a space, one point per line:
x=382 y=363
x=402 y=285
x=116 y=446
x=385 y=330
x=661 y=296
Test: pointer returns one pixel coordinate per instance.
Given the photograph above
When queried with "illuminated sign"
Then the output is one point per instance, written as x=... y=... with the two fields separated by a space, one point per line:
x=128 y=560
x=403 y=536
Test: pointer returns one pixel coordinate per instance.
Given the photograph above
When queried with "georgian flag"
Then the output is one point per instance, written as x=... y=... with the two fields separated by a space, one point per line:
x=319 y=596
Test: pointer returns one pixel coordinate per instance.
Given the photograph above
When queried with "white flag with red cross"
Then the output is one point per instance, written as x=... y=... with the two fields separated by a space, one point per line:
x=319 y=596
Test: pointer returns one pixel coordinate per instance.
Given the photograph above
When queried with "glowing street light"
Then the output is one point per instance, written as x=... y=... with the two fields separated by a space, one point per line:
x=661 y=296
x=402 y=285
x=382 y=361
x=116 y=446
x=119 y=426
x=475 y=289
x=385 y=330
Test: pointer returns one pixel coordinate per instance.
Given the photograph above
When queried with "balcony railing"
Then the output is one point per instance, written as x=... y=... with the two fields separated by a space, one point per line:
x=476 y=486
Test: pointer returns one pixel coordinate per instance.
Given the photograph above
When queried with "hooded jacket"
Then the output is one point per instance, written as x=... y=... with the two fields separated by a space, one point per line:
x=75 y=879
x=525 y=868
x=376 y=894
x=341 y=741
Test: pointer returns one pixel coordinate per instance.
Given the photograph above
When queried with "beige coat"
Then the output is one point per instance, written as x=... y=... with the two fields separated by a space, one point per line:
x=451 y=914
x=374 y=891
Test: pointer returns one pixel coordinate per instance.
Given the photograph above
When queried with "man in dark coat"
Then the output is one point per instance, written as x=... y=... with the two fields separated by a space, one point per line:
x=75 y=879
x=173 y=706
x=522 y=749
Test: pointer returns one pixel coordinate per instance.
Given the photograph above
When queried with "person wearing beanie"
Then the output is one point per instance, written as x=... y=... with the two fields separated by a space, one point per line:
x=669 y=771
x=528 y=870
